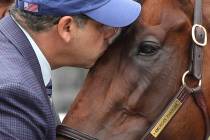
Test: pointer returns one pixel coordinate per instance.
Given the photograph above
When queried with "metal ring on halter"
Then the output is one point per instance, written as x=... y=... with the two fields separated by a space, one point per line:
x=194 y=38
x=185 y=84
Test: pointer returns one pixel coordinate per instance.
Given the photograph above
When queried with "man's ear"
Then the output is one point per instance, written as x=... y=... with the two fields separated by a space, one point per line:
x=65 y=26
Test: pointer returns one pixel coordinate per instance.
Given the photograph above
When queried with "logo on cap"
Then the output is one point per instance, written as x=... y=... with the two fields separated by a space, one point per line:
x=31 y=7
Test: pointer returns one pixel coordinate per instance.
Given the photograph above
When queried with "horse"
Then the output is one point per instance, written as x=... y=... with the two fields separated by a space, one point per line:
x=150 y=81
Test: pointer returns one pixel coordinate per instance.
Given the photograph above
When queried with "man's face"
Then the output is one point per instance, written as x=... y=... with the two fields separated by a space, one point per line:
x=91 y=41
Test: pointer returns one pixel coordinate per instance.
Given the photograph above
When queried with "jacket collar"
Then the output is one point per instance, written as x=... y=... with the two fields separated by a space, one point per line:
x=11 y=30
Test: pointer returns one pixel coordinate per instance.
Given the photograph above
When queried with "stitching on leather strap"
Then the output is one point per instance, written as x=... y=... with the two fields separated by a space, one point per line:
x=72 y=134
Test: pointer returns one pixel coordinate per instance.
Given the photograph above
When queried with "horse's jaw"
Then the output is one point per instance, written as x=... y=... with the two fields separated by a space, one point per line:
x=99 y=117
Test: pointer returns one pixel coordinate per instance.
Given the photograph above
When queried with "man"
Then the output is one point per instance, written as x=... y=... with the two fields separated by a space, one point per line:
x=4 y=5
x=41 y=35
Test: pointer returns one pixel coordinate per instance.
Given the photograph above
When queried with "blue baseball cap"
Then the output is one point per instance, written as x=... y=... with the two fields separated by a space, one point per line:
x=115 y=13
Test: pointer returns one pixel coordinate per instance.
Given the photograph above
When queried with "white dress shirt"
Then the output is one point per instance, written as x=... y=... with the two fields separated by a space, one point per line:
x=44 y=64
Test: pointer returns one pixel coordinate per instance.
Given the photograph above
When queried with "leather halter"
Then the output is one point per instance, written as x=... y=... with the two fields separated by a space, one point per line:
x=72 y=134
x=199 y=40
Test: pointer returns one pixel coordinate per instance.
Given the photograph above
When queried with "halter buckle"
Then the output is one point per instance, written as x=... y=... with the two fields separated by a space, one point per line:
x=194 y=37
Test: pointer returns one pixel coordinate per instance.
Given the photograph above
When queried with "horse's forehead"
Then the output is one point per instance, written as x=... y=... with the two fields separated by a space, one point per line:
x=156 y=12
x=169 y=11
x=165 y=15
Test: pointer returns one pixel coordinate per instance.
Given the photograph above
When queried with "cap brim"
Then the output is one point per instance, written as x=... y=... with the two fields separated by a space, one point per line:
x=116 y=13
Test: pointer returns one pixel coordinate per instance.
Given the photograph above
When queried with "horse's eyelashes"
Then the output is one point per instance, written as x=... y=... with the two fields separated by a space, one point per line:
x=148 y=48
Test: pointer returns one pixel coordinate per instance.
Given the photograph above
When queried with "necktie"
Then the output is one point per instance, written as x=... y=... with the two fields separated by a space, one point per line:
x=49 y=93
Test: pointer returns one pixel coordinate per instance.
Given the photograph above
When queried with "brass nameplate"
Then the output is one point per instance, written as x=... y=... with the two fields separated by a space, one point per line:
x=170 y=112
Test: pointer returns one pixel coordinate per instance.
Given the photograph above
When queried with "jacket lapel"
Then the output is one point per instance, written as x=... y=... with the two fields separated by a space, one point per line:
x=11 y=30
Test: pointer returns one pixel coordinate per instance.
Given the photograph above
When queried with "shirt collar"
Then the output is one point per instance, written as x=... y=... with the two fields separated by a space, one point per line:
x=44 y=64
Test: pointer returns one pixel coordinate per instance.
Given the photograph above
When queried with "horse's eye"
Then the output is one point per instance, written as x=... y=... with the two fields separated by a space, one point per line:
x=148 y=48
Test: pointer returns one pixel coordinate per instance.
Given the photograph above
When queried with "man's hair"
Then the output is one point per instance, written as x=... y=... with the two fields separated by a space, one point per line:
x=39 y=23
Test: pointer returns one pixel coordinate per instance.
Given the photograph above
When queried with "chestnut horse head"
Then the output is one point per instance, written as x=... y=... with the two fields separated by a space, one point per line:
x=139 y=76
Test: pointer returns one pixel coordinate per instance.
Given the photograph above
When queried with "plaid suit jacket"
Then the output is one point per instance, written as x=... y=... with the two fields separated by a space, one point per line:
x=25 y=110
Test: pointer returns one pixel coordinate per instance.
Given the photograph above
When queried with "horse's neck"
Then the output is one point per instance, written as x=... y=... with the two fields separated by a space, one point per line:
x=206 y=11
x=206 y=68
x=206 y=65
